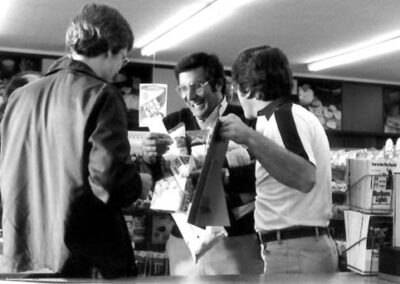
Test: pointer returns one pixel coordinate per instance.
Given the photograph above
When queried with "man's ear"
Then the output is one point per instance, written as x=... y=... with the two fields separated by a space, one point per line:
x=259 y=94
x=247 y=95
x=108 y=53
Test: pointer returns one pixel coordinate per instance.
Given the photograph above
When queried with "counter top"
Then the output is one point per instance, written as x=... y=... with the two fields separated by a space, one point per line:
x=341 y=277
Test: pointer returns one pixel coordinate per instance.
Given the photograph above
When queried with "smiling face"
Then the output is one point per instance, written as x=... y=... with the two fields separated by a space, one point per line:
x=200 y=102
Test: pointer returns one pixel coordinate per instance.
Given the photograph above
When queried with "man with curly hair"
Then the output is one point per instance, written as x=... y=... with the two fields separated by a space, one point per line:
x=201 y=84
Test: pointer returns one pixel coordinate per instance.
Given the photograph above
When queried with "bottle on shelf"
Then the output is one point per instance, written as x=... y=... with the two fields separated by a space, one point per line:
x=397 y=149
x=389 y=149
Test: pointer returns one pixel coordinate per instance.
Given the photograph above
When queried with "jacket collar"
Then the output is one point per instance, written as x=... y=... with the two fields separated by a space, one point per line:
x=271 y=107
x=67 y=63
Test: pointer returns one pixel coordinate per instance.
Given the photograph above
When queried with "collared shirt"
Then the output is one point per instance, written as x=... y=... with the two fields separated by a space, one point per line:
x=242 y=178
x=277 y=205
x=213 y=117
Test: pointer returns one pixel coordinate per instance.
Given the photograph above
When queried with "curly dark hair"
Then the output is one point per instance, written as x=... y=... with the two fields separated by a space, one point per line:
x=212 y=66
x=264 y=71
x=98 y=29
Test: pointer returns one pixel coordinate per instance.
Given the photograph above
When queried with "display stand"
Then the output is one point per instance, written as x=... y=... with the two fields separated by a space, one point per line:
x=396 y=214
x=389 y=259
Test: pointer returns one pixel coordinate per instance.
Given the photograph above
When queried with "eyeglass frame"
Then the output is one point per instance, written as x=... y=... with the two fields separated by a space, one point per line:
x=199 y=90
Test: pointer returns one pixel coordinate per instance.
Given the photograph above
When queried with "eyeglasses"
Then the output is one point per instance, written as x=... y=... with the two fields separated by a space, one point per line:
x=184 y=89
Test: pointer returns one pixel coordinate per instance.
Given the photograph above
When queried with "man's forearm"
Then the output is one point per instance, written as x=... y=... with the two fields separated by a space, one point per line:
x=285 y=166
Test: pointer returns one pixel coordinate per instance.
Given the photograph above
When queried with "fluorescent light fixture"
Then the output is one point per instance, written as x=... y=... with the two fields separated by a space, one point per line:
x=188 y=22
x=4 y=9
x=170 y=23
x=371 y=49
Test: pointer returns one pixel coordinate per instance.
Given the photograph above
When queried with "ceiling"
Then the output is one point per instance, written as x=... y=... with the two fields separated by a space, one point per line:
x=303 y=29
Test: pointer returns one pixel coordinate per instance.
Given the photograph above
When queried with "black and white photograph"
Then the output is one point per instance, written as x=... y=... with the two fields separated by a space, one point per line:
x=201 y=141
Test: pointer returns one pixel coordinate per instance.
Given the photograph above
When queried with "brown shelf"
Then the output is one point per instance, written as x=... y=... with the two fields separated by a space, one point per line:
x=359 y=139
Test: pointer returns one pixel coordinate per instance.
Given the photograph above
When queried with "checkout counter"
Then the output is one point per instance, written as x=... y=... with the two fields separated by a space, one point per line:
x=336 y=278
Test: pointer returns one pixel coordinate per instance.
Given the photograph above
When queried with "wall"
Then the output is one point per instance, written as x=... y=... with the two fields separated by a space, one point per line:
x=362 y=107
x=166 y=76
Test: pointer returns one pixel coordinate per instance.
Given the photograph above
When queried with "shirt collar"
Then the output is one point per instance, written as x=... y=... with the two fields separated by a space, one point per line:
x=214 y=115
x=69 y=63
x=271 y=107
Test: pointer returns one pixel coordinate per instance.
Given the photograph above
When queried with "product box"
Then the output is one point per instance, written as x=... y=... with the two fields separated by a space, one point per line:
x=175 y=190
x=137 y=230
x=135 y=141
x=169 y=196
x=161 y=229
x=365 y=235
x=150 y=263
x=370 y=184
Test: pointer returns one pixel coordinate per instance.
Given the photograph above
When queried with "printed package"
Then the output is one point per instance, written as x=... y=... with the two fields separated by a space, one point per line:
x=365 y=235
x=174 y=192
x=370 y=183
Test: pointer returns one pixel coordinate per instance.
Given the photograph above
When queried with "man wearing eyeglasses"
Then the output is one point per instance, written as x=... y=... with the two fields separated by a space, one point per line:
x=202 y=86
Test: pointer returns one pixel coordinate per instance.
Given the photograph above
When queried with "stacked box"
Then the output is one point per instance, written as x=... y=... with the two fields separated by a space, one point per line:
x=370 y=184
x=369 y=221
x=365 y=235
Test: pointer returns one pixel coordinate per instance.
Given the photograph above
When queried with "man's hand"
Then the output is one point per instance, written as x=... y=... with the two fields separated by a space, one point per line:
x=233 y=128
x=195 y=175
x=154 y=145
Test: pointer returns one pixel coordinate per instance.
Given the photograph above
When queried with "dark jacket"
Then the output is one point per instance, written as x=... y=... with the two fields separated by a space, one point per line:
x=241 y=180
x=65 y=174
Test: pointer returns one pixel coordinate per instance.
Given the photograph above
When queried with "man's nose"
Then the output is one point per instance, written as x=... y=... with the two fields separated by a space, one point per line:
x=191 y=94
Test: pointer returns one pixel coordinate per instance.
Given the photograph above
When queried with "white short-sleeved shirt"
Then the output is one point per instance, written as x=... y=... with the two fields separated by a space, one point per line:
x=277 y=205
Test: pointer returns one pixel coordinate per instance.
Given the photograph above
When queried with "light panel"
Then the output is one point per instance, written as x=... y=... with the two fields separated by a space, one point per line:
x=199 y=19
x=371 y=49
x=170 y=23
x=4 y=10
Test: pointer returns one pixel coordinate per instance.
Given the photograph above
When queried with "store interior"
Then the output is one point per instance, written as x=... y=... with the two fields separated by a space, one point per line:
x=357 y=102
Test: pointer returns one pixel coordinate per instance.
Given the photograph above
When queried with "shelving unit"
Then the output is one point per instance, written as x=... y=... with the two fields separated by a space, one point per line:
x=149 y=231
x=359 y=139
